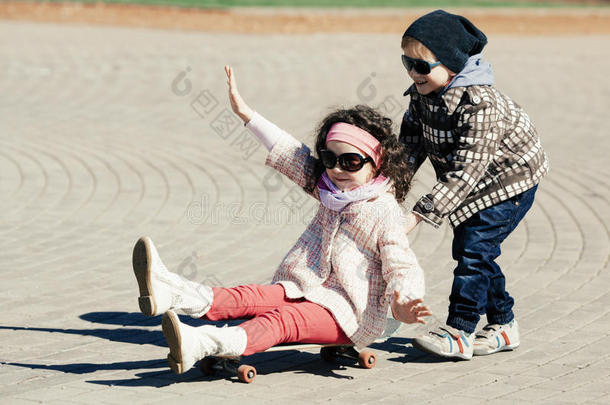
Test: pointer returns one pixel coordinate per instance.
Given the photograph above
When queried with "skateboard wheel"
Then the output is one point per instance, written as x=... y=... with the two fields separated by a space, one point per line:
x=206 y=365
x=328 y=354
x=367 y=359
x=246 y=373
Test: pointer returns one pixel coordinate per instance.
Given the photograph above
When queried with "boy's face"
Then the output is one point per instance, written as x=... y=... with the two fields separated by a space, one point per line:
x=432 y=82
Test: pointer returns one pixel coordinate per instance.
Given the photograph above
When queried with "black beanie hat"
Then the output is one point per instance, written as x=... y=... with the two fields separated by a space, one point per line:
x=452 y=38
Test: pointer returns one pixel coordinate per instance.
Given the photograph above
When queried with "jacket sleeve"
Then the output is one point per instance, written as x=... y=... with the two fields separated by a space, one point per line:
x=411 y=137
x=400 y=268
x=266 y=131
x=293 y=159
x=477 y=137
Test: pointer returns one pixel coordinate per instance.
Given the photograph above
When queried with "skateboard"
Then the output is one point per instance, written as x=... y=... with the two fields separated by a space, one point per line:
x=328 y=352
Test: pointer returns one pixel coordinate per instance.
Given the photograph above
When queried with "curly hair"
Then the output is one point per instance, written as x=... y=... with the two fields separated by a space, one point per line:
x=393 y=164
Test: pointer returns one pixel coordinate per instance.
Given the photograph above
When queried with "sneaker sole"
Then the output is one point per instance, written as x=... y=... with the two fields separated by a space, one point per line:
x=171 y=332
x=501 y=349
x=141 y=268
x=423 y=346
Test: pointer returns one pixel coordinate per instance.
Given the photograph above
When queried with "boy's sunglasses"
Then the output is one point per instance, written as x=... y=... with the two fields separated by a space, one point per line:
x=423 y=67
x=350 y=162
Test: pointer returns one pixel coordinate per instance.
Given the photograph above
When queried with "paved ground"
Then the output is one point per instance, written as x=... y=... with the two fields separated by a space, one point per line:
x=103 y=139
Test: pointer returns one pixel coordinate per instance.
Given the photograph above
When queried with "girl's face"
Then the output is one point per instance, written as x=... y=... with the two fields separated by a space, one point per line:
x=432 y=82
x=345 y=180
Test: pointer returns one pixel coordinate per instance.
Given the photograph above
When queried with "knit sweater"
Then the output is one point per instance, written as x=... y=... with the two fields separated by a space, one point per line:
x=348 y=261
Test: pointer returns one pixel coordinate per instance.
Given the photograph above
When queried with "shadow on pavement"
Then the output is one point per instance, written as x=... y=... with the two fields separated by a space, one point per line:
x=265 y=363
x=129 y=333
x=86 y=368
x=408 y=354
x=133 y=329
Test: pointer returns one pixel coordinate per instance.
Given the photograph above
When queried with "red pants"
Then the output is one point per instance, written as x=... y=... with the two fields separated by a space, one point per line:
x=274 y=318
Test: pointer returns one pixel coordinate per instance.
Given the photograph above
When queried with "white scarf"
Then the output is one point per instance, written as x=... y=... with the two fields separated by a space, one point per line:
x=335 y=199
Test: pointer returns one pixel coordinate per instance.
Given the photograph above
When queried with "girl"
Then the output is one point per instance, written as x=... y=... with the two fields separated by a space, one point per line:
x=335 y=285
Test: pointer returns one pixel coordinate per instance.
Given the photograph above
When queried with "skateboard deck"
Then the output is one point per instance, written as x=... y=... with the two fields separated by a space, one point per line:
x=329 y=352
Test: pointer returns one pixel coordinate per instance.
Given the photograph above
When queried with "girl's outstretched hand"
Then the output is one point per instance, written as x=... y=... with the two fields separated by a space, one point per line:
x=409 y=312
x=238 y=104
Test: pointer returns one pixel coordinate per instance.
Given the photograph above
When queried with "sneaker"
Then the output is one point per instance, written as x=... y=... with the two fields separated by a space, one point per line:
x=446 y=341
x=495 y=338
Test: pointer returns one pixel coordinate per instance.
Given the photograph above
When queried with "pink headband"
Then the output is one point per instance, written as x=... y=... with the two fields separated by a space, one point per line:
x=358 y=137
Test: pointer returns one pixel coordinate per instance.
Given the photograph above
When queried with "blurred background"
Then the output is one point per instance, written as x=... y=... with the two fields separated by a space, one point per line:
x=301 y=16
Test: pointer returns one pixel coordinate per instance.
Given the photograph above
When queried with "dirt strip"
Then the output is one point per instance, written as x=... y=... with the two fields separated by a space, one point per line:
x=494 y=21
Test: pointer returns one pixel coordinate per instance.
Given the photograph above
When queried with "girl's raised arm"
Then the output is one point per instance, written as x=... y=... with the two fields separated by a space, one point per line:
x=292 y=158
x=238 y=104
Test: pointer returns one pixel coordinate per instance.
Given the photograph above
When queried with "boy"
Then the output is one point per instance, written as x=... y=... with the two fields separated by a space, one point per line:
x=488 y=162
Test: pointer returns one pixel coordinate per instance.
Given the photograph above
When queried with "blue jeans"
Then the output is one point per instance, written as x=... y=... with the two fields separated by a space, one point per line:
x=478 y=282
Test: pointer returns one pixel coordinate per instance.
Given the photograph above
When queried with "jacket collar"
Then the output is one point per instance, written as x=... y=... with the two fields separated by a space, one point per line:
x=451 y=97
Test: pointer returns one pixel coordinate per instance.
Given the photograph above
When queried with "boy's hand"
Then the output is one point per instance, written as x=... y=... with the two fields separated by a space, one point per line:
x=409 y=312
x=238 y=104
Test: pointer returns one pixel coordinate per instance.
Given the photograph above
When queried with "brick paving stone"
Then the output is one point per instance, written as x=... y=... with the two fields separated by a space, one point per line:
x=549 y=370
x=20 y=401
x=530 y=394
x=494 y=389
x=567 y=382
x=110 y=395
x=601 y=400
x=581 y=395
x=510 y=368
x=51 y=393
x=524 y=381
x=477 y=378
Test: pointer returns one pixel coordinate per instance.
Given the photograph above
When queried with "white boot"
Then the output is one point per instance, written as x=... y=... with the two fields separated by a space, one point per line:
x=161 y=290
x=187 y=344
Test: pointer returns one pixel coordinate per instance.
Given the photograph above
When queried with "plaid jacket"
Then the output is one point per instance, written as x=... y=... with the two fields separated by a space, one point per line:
x=482 y=145
x=350 y=261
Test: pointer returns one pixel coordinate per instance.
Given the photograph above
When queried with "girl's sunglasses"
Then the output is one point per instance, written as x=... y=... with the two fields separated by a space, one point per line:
x=423 y=67
x=350 y=162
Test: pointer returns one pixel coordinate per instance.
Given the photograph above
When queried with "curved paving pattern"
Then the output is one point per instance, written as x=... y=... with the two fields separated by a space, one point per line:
x=100 y=142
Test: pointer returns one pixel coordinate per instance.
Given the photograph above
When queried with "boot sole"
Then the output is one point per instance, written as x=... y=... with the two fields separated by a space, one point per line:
x=141 y=267
x=171 y=332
